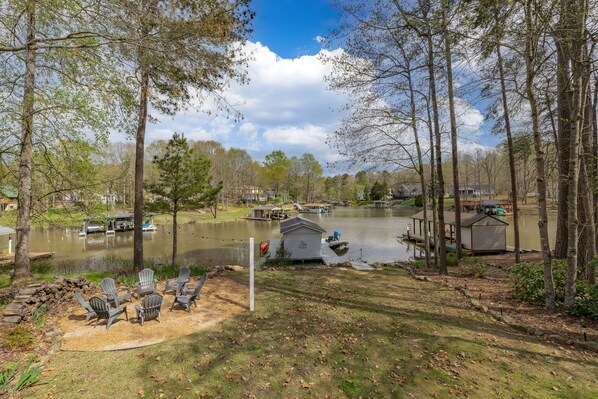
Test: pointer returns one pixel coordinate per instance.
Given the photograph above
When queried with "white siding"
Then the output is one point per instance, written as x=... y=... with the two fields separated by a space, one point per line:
x=466 y=237
x=303 y=243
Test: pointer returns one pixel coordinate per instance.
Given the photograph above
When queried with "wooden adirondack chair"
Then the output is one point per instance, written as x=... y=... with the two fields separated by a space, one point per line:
x=90 y=312
x=146 y=284
x=149 y=308
x=177 y=284
x=111 y=291
x=189 y=296
x=103 y=310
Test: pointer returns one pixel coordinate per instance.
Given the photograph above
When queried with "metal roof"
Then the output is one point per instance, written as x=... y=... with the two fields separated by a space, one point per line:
x=9 y=192
x=6 y=230
x=467 y=219
x=298 y=222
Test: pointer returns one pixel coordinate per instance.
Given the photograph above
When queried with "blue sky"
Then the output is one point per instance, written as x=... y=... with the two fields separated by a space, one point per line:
x=289 y=27
x=287 y=105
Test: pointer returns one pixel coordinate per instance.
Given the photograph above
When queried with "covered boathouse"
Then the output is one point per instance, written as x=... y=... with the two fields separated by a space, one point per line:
x=302 y=238
x=480 y=233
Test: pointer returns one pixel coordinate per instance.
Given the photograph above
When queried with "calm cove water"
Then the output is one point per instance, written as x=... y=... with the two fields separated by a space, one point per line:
x=372 y=236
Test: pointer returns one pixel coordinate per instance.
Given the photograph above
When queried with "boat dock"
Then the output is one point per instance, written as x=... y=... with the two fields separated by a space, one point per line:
x=338 y=244
x=6 y=260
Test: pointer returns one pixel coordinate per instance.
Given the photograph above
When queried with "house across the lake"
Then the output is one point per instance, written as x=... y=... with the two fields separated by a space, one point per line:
x=480 y=233
x=8 y=198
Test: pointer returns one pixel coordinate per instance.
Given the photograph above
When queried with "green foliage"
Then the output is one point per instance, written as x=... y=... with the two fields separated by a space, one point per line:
x=418 y=264
x=29 y=376
x=18 y=337
x=527 y=281
x=418 y=201
x=184 y=179
x=282 y=258
x=473 y=267
x=197 y=270
x=41 y=266
x=9 y=370
x=586 y=300
x=378 y=191
x=38 y=318
x=451 y=259
x=4 y=280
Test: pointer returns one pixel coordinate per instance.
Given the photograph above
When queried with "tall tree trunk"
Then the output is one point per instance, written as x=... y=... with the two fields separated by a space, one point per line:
x=139 y=161
x=420 y=166
x=577 y=10
x=22 y=267
x=564 y=133
x=531 y=44
x=511 y=153
x=433 y=186
x=591 y=275
x=453 y=122
x=441 y=238
x=175 y=211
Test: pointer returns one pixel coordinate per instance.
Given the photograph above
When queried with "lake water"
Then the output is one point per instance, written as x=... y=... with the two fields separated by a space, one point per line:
x=372 y=235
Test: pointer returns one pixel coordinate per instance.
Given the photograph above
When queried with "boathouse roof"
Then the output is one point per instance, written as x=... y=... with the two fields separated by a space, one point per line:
x=6 y=230
x=298 y=222
x=467 y=219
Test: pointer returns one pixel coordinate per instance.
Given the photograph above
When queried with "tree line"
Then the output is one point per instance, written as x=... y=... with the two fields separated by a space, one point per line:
x=411 y=68
x=71 y=72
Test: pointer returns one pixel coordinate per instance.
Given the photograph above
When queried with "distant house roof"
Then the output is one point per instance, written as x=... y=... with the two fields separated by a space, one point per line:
x=9 y=192
x=495 y=202
x=298 y=222
x=6 y=230
x=467 y=219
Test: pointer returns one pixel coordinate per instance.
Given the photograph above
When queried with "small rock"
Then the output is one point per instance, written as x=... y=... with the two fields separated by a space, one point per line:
x=590 y=345
x=234 y=268
x=11 y=319
x=508 y=319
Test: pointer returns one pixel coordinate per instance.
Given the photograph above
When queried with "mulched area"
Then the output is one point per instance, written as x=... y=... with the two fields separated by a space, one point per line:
x=494 y=292
x=221 y=299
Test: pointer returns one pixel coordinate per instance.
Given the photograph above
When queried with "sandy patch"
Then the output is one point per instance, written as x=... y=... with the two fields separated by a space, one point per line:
x=221 y=299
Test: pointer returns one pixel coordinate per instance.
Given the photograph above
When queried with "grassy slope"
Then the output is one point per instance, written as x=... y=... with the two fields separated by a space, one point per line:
x=333 y=333
x=70 y=218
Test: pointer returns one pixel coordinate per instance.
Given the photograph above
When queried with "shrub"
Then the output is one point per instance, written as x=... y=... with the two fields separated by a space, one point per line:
x=197 y=270
x=472 y=267
x=418 y=264
x=18 y=338
x=451 y=259
x=418 y=201
x=527 y=281
x=586 y=300
x=41 y=266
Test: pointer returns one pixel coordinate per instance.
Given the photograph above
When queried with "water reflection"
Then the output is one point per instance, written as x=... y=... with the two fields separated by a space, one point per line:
x=372 y=235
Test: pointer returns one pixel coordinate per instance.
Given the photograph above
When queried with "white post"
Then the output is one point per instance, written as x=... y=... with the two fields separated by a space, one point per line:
x=10 y=244
x=251 y=274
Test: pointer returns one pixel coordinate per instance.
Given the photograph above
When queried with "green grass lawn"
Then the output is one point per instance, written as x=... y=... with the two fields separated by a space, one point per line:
x=73 y=218
x=336 y=334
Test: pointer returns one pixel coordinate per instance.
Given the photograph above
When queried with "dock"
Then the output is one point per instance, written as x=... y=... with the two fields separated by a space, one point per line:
x=338 y=244
x=10 y=259
x=328 y=255
x=521 y=250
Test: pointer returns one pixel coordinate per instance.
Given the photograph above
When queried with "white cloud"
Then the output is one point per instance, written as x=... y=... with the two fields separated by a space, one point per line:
x=286 y=106
x=320 y=39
